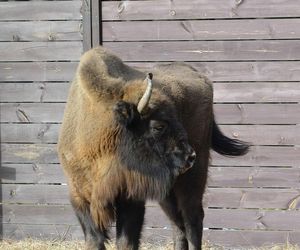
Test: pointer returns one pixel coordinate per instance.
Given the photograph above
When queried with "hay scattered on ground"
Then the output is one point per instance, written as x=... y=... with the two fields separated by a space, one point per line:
x=31 y=244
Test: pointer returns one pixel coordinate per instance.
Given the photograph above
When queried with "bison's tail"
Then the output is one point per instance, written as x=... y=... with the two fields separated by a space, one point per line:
x=225 y=145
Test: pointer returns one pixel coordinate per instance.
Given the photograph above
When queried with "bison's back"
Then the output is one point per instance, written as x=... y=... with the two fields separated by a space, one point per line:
x=193 y=96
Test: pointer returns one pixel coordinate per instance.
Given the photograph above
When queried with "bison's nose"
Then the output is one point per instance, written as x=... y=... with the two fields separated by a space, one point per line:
x=191 y=158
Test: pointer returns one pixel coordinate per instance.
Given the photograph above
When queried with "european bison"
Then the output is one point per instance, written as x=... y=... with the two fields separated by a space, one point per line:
x=125 y=139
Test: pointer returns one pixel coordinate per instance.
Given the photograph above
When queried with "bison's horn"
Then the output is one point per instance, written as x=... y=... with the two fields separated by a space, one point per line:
x=146 y=97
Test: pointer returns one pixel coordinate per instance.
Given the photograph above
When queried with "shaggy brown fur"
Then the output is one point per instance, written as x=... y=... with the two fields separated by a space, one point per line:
x=105 y=147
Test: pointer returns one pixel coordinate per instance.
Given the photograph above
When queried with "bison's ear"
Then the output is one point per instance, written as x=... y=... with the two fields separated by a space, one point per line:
x=126 y=113
x=101 y=74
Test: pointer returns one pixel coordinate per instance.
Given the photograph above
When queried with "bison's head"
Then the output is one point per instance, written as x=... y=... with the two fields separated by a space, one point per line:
x=152 y=146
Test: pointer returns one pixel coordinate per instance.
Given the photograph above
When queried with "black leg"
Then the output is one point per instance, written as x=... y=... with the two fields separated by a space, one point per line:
x=169 y=205
x=94 y=237
x=130 y=218
x=194 y=227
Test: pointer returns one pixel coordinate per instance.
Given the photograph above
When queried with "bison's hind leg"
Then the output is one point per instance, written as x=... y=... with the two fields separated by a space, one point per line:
x=94 y=237
x=130 y=218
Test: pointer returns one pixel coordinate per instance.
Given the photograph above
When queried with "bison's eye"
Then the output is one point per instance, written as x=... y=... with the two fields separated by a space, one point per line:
x=158 y=127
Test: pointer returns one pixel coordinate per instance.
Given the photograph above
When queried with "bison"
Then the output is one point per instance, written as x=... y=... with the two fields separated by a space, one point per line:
x=126 y=138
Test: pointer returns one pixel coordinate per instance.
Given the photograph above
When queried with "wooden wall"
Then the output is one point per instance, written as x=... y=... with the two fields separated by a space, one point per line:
x=40 y=46
x=250 y=49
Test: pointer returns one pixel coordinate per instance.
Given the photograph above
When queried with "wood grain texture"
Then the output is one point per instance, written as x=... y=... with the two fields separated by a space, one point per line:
x=29 y=153
x=264 y=134
x=155 y=218
x=257 y=92
x=245 y=219
x=243 y=198
x=251 y=238
x=257 y=156
x=139 y=10
x=257 y=113
x=270 y=156
x=272 y=135
x=206 y=50
x=157 y=236
x=224 y=113
x=201 y=30
x=252 y=198
x=32 y=173
x=41 y=31
x=217 y=71
x=29 y=133
x=34 y=92
x=244 y=71
x=86 y=25
x=40 y=51
x=54 y=232
x=35 y=194
x=254 y=177
x=37 y=71
x=40 y=10
x=236 y=92
x=228 y=177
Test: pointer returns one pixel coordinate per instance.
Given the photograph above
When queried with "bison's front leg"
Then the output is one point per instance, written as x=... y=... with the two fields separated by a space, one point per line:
x=130 y=218
x=94 y=237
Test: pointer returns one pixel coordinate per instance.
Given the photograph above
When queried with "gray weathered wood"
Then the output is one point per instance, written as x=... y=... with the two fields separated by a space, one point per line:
x=29 y=153
x=201 y=30
x=42 y=214
x=251 y=219
x=37 y=71
x=254 y=177
x=225 y=113
x=216 y=71
x=257 y=92
x=86 y=25
x=252 y=198
x=206 y=50
x=218 y=176
x=32 y=112
x=258 y=155
x=29 y=133
x=158 y=236
x=261 y=156
x=40 y=31
x=35 y=194
x=264 y=134
x=139 y=10
x=254 y=134
x=155 y=218
x=54 y=232
x=257 y=113
x=32 y=173
x=223 y=92
x=95 y=22
x=40 y=51
x=260 y=198
x=40 y=10
x=249 y=239
x=244 y=71
x=34 y=92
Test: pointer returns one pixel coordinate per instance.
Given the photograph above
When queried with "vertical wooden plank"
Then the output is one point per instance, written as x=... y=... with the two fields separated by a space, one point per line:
x=96 y=24
x=1 y=208
x=86 y=24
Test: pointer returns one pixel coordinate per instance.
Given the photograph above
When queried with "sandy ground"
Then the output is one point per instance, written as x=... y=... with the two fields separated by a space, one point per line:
x=79 y=245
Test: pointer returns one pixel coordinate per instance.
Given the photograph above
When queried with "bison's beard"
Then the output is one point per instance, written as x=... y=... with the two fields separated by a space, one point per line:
x=147 y=175
x=142 y=186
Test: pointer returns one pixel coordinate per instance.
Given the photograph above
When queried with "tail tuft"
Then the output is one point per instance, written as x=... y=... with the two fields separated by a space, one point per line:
x=225 y=145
